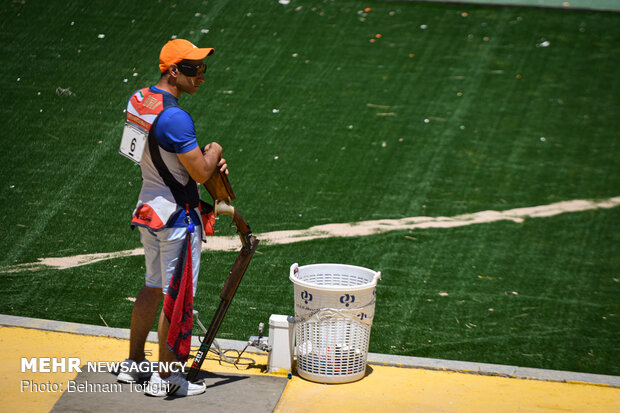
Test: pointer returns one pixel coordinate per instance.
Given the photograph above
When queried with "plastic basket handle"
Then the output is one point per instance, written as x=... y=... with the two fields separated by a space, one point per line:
x=295 y=270
x=377 y=277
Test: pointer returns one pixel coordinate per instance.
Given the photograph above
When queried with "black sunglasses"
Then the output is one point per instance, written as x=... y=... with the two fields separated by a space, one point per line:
x=191 y=70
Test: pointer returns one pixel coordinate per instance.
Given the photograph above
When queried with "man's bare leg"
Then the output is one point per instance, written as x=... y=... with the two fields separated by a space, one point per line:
x=142 y=319
x=165 y=355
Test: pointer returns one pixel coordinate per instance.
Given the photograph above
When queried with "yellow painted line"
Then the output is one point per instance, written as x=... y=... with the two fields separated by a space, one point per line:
x=385 y=388
x=19 y=342
x=394 y=389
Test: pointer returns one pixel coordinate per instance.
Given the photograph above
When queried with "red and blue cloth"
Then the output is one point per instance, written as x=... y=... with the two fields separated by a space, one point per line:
x=179 y=305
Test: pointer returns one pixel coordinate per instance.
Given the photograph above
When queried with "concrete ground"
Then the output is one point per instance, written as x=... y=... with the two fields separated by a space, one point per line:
x=391 y=384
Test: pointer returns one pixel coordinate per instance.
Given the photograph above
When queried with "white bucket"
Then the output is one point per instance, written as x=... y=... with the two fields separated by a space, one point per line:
x=334 y=309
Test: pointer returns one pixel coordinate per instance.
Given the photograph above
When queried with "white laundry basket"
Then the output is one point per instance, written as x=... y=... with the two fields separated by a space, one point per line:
x=334 y=309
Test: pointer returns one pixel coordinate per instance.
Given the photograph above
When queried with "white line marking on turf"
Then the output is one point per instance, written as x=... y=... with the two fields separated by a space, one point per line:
x=352 y=229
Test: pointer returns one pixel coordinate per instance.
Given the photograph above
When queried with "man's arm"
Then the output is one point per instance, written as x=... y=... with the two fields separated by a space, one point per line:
x=201 y=165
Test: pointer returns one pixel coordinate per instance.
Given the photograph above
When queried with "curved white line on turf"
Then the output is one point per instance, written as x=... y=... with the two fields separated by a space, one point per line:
x=352 y=229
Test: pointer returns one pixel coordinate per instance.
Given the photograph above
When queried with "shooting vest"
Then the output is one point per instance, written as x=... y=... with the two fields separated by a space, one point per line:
x=167 y=187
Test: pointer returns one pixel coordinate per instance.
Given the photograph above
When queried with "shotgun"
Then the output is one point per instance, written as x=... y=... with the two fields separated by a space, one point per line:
x=220 y=190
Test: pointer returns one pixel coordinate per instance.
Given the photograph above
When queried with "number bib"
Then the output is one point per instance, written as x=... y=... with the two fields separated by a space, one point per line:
x=142 y=110
x=133 y=142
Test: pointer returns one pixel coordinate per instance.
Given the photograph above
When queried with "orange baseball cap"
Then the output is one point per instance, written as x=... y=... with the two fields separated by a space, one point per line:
x=179 y=49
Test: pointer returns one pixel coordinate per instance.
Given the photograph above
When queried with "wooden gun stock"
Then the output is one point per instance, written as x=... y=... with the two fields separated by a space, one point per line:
x=219 y=187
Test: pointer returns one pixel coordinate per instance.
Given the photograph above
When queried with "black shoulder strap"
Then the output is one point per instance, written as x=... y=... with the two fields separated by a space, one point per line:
x=183 y=194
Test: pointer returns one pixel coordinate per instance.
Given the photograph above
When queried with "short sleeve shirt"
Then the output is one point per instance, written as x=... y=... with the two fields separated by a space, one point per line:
x=175 y=129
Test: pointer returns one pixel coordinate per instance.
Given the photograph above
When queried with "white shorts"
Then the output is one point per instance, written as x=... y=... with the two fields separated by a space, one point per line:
x=161 y=252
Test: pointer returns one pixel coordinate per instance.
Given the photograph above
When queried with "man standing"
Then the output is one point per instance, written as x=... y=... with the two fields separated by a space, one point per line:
x=167 y=213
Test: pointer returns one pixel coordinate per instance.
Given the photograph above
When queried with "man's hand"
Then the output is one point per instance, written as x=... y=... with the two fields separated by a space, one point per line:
x=217 y=148
x=214 y=146
x=223 y=166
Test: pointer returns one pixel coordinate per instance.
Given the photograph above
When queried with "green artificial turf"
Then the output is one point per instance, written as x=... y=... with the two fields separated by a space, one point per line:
x=453 y=109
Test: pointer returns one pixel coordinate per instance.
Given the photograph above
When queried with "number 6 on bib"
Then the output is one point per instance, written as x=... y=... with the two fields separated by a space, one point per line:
x=132 y=142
